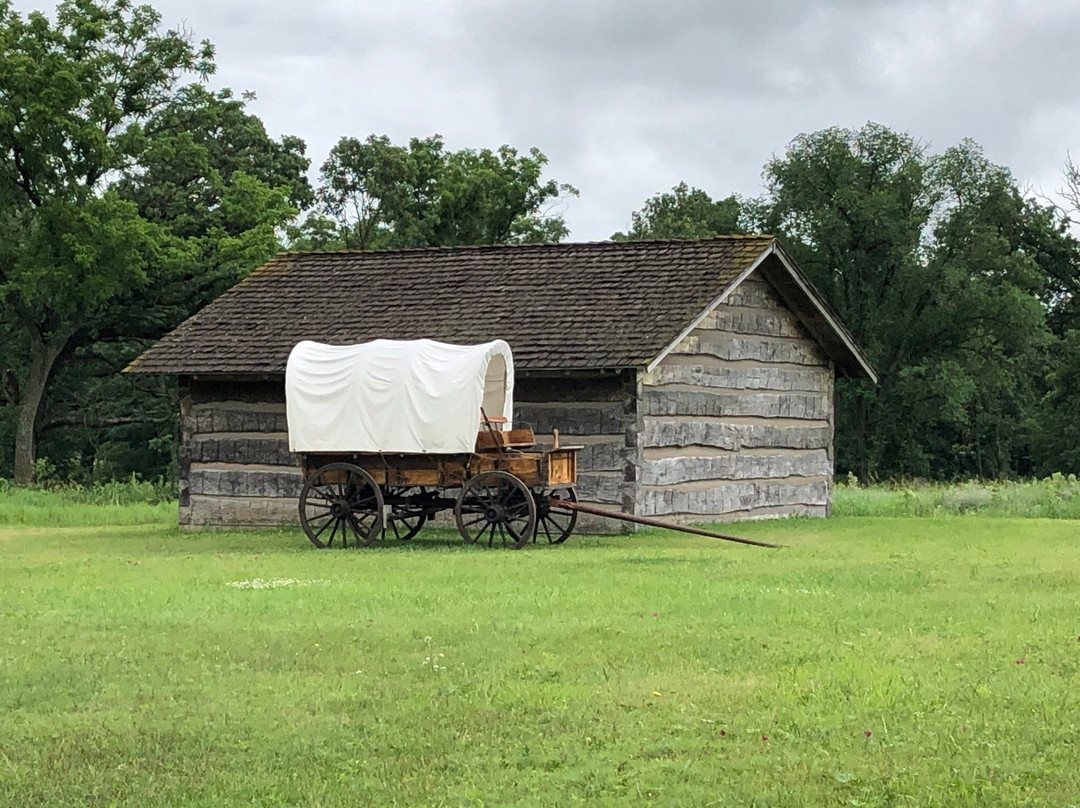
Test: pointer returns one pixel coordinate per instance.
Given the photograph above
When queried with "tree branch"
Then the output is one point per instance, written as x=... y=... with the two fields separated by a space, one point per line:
x=24 y=177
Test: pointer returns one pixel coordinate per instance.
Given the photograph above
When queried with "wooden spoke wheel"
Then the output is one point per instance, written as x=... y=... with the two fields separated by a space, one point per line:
x=407 y=512
x=496 y=507
x=554 y=524
x=341 y=504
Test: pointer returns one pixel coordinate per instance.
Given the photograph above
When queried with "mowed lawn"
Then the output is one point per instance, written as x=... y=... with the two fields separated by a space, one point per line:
x=872 y=662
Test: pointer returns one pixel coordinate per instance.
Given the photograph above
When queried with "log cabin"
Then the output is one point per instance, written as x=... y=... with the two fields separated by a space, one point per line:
x=699 y=375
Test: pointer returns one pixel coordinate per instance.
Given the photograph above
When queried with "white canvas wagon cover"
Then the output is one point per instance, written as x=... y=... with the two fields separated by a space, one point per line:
x=401 y=396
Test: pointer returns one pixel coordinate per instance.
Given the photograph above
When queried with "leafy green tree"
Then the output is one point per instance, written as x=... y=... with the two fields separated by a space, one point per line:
x=75 y=93
x=1056 y=425
x=1057 y=436
x=70 y=262
x=374 y=194
x=939 y=266
x=1062 y=296
x=220 y=188
x=983 y=337
x=684 y=213
x=101 y=198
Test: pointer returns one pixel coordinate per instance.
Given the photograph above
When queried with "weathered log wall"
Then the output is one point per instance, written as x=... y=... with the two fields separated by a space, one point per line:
x=235 y=465
x=597 y=411
x=737 y=421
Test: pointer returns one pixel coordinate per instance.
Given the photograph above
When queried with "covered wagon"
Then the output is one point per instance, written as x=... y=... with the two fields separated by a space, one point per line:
x=391 y=432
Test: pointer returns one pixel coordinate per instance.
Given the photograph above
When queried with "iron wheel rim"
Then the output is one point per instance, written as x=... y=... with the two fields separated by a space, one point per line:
x=555 y=524
x=340 y=503
x=495 y=506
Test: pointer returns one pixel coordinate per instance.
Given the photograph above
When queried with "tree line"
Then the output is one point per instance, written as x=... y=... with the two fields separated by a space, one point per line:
x=131 y=195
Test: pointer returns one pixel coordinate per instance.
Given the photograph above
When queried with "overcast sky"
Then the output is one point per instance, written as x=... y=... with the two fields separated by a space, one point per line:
x=628 y=98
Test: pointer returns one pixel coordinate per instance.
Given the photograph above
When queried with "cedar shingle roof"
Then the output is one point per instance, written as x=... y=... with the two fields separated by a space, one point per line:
x=560 y=306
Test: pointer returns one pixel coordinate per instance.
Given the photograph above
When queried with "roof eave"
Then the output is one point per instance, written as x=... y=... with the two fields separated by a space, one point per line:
x=249 y=372
x=855 y=364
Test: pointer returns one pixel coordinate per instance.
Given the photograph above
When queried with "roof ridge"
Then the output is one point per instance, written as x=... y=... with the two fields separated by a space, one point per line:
x=606 y=243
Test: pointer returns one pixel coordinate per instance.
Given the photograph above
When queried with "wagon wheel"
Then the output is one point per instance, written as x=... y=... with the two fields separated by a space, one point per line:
x=555 y=524
x=341 y=502
x=496 y=505
x=406 y=518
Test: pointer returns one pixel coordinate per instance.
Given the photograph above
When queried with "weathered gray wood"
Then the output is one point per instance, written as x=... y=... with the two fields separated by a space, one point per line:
x=269 y=450
x=661 y=431
x=211 y=419
x=246 y=482
x=730 y=497
x=604 y=456
x=820 y=325
x=831 y=392
x=750 y=360
x=778 y=512
x=735 y=466
x=602 y=487
x=753 y=321
x=760 y=349
x=754 y=292
x=713 y=374
x=187 y=431
x=240 y=422
x=667 y=401
x=210 y=512
x=593 y=418
x=631 y=500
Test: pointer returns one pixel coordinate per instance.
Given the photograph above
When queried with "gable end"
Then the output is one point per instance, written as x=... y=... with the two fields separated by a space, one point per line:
x=805 y=302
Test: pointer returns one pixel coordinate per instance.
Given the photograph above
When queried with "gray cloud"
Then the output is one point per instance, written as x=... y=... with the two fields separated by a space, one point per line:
x=628 y=98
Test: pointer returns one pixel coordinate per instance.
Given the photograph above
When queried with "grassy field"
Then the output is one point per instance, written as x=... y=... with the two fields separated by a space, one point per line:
x=873 y=662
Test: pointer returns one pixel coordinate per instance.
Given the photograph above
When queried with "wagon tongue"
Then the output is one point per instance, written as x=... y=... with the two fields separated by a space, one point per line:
x=645 y=520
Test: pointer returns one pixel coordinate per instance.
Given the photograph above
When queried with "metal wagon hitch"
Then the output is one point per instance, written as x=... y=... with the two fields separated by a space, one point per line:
x=645 y=520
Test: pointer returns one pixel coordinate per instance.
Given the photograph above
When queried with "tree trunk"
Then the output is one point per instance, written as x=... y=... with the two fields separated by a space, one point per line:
x=42 y=358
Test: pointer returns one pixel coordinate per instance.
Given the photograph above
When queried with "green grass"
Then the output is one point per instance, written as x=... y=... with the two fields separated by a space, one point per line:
x=141 y=666
x=47 y=509
x=130 y=502
x=1056 y=497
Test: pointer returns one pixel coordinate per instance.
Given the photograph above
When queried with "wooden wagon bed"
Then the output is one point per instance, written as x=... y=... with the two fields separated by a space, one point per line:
x=536 y=468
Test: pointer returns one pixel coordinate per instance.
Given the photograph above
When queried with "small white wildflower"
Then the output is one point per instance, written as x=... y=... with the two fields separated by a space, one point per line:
x=274 y=583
